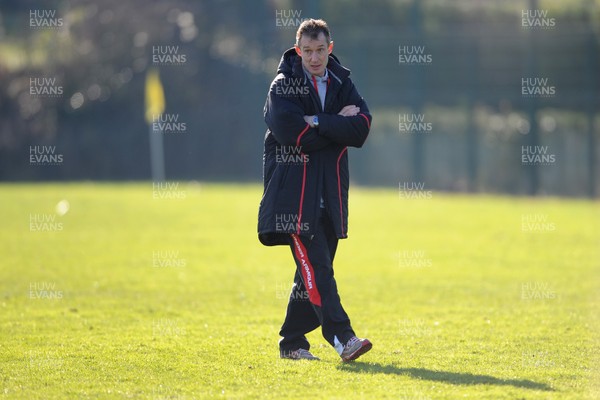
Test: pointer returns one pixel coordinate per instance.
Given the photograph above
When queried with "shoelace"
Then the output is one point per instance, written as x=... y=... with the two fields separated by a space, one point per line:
x=351 y=342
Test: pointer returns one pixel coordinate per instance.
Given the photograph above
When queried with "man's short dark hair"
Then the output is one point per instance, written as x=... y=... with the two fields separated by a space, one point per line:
x=312 y=28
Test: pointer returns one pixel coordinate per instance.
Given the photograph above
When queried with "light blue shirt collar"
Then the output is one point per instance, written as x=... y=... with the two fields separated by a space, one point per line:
x=324 y=78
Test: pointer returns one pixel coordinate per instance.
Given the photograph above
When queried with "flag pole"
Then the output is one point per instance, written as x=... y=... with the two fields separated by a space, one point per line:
x=155 y=105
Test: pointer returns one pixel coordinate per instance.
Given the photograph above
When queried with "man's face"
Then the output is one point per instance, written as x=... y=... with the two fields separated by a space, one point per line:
x=314 y=53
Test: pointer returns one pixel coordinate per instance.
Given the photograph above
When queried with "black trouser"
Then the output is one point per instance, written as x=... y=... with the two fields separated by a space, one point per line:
x=314 y=299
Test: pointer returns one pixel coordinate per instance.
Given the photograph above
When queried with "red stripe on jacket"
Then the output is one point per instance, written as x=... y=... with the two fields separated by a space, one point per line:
x=367 y=119
x=340 y=189
x=300 y=206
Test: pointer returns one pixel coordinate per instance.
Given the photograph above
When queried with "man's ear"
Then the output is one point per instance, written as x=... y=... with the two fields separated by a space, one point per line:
x=298 y=51
x=330 y=49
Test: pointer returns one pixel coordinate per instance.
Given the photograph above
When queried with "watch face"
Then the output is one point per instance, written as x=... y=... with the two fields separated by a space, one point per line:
x=316 y=120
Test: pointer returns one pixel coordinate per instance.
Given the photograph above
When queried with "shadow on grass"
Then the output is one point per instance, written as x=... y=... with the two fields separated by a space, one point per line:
x=454 y=378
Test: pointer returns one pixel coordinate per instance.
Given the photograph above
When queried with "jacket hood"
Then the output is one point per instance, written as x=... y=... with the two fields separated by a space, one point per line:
x=291 y=64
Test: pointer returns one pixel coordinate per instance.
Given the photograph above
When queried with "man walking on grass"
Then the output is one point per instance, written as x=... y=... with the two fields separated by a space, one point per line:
x=313 y=112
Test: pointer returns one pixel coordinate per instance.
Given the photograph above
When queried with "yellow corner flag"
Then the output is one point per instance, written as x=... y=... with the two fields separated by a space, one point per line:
x=155 y=97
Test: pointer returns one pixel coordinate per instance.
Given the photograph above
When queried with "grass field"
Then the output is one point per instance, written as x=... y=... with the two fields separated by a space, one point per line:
x=125 y=294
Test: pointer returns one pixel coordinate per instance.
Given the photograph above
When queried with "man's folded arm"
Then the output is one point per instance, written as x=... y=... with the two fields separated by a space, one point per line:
x=347 y=131
x=285 y=118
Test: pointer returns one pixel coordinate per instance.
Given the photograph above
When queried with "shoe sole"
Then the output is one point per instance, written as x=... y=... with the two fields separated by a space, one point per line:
x=366 y=346
x=286 y=356
x=302 y=358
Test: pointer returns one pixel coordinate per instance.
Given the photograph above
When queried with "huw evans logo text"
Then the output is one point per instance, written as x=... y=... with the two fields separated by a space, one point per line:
x=414 y=259
x=44 y=223
x=537 y=223
x=413 y=55
x=290 y=223
x=288 y=18
x=44 y=19
x=167 y=258
x=413 y=190
x=291 y=87
x=532 y=155
x=167 y=190
x=413 y=123
x=44 y=290
x=168 y=123
x=45 y=87
x=290 y=155
x=537 y=87
x=537 y=291
x=537 y=19
x=44 y=155
x=167 y=55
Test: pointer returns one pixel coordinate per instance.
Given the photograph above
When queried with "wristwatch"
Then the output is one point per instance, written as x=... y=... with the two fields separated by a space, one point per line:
x=315 y=121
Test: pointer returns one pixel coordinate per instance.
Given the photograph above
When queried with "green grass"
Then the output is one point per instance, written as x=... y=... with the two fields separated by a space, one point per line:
x=459 y=300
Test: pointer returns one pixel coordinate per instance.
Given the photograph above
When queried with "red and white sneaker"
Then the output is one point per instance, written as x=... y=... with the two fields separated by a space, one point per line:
x=355 y=348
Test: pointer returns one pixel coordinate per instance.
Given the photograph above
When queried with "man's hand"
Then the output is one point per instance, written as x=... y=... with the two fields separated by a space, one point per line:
x=309 y=120
x=349 y=111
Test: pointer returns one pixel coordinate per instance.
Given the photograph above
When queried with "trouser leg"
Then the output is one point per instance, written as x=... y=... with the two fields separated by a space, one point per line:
x=300 y=318
x=314 y=261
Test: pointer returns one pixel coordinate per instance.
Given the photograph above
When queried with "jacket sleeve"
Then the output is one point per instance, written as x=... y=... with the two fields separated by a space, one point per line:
x=285 y=119
x=347 y=131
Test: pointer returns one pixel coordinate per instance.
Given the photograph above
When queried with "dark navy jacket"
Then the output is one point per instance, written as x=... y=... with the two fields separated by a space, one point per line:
x=302 y=165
